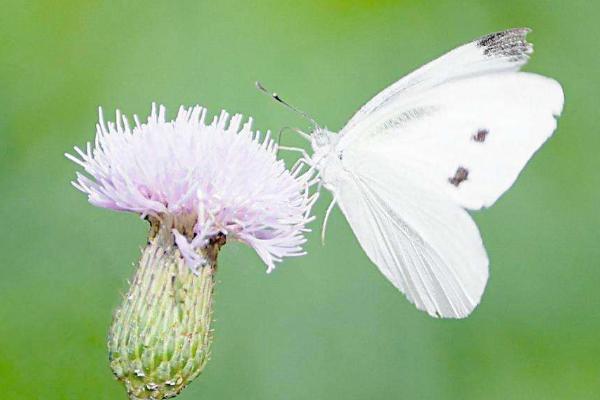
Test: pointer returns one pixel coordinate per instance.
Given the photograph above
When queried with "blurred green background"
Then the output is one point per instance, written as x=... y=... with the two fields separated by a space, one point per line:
x=324 y=326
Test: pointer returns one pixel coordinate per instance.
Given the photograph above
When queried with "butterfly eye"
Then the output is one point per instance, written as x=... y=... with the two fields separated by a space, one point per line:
x=321 y=139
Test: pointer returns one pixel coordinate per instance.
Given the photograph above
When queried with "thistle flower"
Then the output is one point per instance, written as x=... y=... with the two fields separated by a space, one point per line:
x=198 y=185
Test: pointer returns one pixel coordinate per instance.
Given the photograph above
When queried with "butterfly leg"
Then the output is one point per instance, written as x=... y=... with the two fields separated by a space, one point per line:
x=300 y=161
x=297 y=150
x=329 y=209
x=298 y=167
x=298 y=164
x=307 y=174
x=311 y=200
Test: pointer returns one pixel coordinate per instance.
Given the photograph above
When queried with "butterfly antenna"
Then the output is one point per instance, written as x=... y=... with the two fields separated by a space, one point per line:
x=276 y=97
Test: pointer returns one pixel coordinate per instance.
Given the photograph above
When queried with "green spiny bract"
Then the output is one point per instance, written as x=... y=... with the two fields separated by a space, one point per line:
x=160 y=337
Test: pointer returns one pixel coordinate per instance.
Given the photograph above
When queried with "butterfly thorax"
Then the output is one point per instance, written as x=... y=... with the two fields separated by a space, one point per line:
x=326 y=158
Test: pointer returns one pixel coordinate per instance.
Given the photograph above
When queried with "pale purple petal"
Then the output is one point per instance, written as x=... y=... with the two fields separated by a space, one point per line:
x=222 y=174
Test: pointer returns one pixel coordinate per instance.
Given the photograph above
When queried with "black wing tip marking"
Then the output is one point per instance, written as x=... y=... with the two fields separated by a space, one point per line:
x=511 y=43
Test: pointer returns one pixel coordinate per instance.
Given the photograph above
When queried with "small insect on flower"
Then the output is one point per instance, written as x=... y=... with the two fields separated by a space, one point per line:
x=199 y=185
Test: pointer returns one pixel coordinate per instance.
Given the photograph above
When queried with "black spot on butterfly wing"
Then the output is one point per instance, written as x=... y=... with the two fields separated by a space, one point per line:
x=480 y=135
x=460 y=176
x=510 y=43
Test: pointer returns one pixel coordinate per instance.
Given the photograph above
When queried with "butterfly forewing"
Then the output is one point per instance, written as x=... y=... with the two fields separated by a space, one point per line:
x=505 y=51
x=469 y=139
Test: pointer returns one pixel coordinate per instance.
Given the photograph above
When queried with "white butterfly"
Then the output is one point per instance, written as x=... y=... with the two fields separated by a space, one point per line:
x=451 y=136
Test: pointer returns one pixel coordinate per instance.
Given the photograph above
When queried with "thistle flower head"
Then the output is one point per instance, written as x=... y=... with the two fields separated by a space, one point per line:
x=199 y=185
x=201 y=179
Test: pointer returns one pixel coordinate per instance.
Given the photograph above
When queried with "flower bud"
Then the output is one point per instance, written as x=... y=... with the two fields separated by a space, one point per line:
x=161 y=334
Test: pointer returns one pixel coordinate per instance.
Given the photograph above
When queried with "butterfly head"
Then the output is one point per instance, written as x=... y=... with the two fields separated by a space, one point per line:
x=322 y=140
x=326 y=158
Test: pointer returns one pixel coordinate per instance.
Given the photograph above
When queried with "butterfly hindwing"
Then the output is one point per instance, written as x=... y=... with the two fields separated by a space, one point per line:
x=429 y=249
